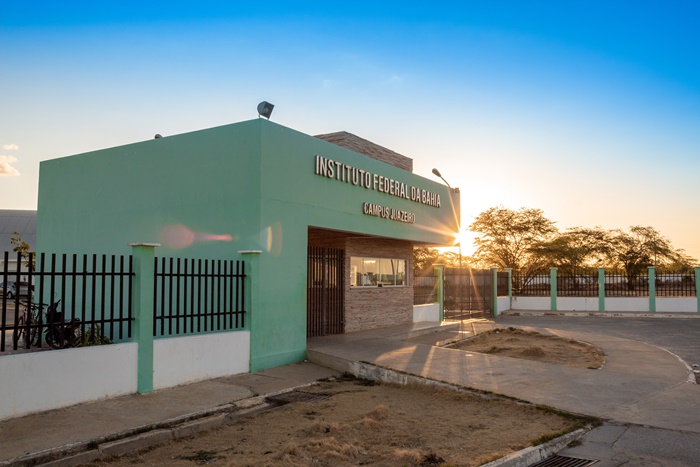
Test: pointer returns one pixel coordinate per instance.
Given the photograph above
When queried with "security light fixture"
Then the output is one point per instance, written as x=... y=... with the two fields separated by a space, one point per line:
x=265 y=109
x=437 y=172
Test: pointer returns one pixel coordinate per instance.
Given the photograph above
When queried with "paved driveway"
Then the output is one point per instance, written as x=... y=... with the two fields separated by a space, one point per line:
x=678 y=335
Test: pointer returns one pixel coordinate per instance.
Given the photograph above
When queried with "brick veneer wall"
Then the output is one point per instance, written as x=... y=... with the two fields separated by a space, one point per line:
x=371 y=307
x=369 y=149
x=374 y=307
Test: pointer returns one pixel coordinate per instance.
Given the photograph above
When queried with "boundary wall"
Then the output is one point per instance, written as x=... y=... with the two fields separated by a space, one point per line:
x=600 y=303
x=44 y=380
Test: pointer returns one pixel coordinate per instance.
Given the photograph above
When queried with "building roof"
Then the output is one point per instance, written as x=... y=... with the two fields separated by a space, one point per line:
x=368 y=148
x=23 y=222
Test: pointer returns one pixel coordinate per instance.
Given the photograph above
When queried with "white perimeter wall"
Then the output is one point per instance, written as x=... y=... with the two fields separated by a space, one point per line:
x=531 y=303
x=429 y=312
x=43 y=380
x=503 y=304
x=181 y=360
x=614 y=304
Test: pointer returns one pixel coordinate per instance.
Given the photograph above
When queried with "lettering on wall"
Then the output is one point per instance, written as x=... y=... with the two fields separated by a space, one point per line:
x=329 y=168
x=385 y=212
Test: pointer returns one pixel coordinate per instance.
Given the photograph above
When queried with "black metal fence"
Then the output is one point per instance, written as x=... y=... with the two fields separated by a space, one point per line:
x=425 y=290
x=675 y=285
x=624 y=285
x=73 y=300
x=194 y=296
x=585 y=284
x=65 y=300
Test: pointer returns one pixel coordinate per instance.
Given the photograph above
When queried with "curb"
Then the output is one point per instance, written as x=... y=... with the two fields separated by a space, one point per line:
x=534 y=454
x=133 y=439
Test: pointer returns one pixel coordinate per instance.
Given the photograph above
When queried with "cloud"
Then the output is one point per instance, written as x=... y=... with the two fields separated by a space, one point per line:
x=5 y=168
x=10 y=147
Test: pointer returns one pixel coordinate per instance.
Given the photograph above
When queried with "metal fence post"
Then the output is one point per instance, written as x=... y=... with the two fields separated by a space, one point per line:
x=697 y=286
x=510 y=288
x=601 y=290
x=652 y=289
x=553 y=288
x=144 y=270
x=494 y=284
x=439 y=271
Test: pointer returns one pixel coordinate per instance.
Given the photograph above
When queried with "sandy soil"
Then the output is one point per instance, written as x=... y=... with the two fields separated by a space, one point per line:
x=357 y=422
x=517 y=343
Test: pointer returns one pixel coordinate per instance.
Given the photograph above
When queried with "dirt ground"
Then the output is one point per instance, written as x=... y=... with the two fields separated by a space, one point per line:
x=517 y=343
x=357 y=422
x=360 y=423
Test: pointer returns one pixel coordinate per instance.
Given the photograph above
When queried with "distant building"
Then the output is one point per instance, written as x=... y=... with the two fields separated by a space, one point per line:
x=22 y=222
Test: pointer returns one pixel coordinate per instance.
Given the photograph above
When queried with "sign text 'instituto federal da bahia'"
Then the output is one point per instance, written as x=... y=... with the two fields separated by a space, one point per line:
x=372 y=181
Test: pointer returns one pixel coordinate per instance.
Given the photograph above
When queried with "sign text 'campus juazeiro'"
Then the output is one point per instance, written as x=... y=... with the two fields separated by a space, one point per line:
x=329 y=168
x=385 y=212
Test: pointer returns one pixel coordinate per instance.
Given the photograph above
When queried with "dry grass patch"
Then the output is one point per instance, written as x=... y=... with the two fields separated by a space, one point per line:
x=360 y=424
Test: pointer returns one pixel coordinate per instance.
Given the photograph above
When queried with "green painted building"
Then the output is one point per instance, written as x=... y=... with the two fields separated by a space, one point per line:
x=283 y=201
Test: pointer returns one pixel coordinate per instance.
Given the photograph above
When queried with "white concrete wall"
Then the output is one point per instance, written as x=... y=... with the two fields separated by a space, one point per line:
x=638 y=304
x=531 y=303
x=44 y=380
x=577 y=304
x=37 y=381
x=612 y=304
x=677 y=304
x=181 y=360
x=503 y=304
x=429 y=312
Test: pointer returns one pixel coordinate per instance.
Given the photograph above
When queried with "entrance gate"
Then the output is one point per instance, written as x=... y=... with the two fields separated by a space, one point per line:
x=325 y=313
x=468 y=293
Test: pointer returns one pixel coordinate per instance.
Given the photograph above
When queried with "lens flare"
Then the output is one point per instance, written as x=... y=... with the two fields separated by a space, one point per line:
x=179 y=236
x=272 y=239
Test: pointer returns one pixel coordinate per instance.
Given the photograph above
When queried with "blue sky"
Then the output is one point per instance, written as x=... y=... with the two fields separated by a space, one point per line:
x=588 y=110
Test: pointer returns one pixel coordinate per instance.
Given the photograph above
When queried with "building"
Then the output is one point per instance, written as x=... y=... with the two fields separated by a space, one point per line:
x=24 y=223
x=304 y=213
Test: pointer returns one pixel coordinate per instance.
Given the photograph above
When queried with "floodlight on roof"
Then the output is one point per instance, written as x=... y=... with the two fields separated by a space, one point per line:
x=265 y=109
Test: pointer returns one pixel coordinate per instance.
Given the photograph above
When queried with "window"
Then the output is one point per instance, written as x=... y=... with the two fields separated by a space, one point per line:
x=377 y=272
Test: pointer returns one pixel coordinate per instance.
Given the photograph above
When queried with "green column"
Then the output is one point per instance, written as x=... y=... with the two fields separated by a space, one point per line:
x=697 y=286
x=143 y=256
x=601 y=289
x=652 y=289
x=439 y=271
x=254 y=317
x=510 y=288
x=553 y=288
x=494 y=281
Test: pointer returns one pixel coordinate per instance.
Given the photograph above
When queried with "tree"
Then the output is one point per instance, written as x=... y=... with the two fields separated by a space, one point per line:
x=425 y=258
x=509 y=239
x=577 y=248
x=643 y=247
x=21 y=247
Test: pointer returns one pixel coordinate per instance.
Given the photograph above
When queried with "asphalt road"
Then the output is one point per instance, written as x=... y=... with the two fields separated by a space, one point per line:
x=678 y=335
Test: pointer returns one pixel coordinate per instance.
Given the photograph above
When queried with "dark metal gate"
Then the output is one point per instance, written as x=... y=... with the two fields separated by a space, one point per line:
x=325 y=313
x=468 y=293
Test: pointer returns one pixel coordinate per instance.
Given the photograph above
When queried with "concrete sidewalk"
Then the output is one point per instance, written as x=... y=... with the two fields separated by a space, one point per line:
x=35 y=439
x=640 y=383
